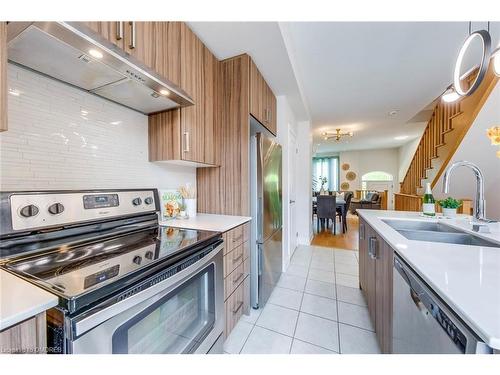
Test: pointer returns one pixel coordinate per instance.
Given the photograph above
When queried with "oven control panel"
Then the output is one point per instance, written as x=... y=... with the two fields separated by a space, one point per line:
x=31 y=211
x=100 y=201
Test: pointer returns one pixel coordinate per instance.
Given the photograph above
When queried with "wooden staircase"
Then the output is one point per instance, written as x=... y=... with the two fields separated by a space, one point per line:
x=443 y=134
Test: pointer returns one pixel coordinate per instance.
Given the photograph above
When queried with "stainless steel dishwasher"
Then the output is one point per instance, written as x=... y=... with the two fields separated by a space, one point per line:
x=422 y=323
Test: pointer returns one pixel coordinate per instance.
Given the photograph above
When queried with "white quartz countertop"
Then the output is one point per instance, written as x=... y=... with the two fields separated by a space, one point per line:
x=20 y=300
x=211 y=222
x=466 y=277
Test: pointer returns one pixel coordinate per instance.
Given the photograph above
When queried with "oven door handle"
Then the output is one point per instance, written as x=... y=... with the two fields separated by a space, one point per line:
x=88 y=321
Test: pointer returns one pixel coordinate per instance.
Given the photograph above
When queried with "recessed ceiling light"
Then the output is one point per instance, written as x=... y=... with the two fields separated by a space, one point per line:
x=393 y=113
x=164 y=92
x=14 y=92
x=401 y=137
x=115 y=122
x=95 y=53
x=84 y=112
x=450 y=96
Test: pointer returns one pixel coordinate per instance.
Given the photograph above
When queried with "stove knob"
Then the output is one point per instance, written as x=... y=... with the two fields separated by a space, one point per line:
x=137 y=260
x=149 y=255
x=136 y=201
x=148 y=200
x=56 y=208
x=29 y=210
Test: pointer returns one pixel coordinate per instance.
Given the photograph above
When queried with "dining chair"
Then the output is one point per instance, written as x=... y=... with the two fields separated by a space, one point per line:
x=343 y=213
x=326 y=209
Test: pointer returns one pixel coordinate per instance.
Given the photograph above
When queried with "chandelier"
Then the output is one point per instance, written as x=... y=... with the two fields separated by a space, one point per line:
x=337 y=135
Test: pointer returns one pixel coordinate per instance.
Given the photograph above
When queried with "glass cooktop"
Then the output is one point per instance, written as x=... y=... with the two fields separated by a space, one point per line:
x=69 y=271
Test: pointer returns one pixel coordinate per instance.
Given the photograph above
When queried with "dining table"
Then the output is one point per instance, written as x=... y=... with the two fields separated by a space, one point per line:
x=339 y=202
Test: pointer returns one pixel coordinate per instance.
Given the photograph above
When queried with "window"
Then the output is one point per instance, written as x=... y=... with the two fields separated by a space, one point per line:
x=377 y=176
x=327 y=167
x=374 y=176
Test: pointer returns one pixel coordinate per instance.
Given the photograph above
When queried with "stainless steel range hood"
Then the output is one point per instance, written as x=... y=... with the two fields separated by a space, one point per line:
x=72 y=53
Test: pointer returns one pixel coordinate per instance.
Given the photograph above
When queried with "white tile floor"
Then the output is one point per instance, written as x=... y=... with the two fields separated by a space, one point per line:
x=317 y=308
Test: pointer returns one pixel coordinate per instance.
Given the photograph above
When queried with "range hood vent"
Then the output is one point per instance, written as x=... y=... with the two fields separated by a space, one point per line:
x=66 y=50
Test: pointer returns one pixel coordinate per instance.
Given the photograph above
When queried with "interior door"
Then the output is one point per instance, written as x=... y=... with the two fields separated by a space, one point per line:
x=292 y=211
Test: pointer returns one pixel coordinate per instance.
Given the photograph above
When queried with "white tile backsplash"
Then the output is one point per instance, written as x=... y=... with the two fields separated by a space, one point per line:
x=60 y=137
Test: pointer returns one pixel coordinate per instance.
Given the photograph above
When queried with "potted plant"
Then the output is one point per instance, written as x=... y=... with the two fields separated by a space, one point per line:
x=449 y=206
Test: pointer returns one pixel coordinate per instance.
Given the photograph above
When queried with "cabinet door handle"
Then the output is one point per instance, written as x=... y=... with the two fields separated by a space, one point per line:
x=237 y=280
x=132 y=35
x=237 y=259
x=239 y=306
x=361 y=231
x=186 y=141
x=373 y=248
x=236 y=239
x=119 y=30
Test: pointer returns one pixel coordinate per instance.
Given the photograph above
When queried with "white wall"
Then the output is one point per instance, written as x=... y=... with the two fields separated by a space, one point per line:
x=405 y=156
x=364 y=161
x=477 y=148
x=304 y=183
x=60 y=137
x=286 y=121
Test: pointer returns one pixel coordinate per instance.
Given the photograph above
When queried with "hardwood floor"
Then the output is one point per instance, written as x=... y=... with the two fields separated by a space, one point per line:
x=348 y=240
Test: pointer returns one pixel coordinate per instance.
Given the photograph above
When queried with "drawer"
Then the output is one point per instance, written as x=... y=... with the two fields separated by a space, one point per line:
x=233 y=260
x=246 y=232
x=233 y=238
x=234 y=307
x=236 y=277
x=236 y=257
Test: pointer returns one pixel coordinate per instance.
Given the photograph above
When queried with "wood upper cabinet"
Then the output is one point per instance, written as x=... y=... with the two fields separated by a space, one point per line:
x=3 y=76
x=272 y=124
x=262 y=100
x=375 y=276
x=155 y=44
x=192 y=80
x=257 y=102
x=188 y=133
x=114 y=31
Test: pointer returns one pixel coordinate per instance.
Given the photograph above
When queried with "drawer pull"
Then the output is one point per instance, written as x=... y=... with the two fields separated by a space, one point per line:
x=119 y=30
x=236 y=239
x=238 y=279
x=238 y=258
x=132 y=35
x=238 y=308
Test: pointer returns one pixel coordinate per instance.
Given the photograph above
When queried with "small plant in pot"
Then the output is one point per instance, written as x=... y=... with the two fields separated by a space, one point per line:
x=449 y=206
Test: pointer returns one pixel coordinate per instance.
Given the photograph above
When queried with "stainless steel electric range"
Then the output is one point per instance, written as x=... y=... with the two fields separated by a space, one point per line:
x=125 y=284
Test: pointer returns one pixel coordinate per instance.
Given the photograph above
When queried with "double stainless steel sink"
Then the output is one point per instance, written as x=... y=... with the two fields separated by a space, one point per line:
x=436 y=232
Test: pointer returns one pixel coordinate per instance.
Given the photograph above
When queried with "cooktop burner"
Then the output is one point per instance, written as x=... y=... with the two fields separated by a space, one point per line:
x=73 y=271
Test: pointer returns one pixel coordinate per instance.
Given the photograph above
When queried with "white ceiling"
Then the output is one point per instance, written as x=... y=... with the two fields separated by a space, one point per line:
x=264 y=43
x=350 y=75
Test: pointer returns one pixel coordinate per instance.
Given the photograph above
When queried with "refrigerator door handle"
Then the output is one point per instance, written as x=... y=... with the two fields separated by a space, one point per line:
x=259 y=257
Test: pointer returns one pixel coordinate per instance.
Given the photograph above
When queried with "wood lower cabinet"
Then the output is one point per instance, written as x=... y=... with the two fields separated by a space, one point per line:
x=262 y=100
x=236 y=275
x=375 y=276
x=188 y=134
x=28 y=337
x=3 y=76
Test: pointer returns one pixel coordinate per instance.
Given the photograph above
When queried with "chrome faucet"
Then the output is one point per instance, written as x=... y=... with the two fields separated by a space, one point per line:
x=479 y=202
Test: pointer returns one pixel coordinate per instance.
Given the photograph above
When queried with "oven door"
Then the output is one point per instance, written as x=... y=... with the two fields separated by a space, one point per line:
x=182 y=314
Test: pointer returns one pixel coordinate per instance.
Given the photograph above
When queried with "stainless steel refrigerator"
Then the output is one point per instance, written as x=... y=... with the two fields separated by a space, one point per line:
x=266 y=206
